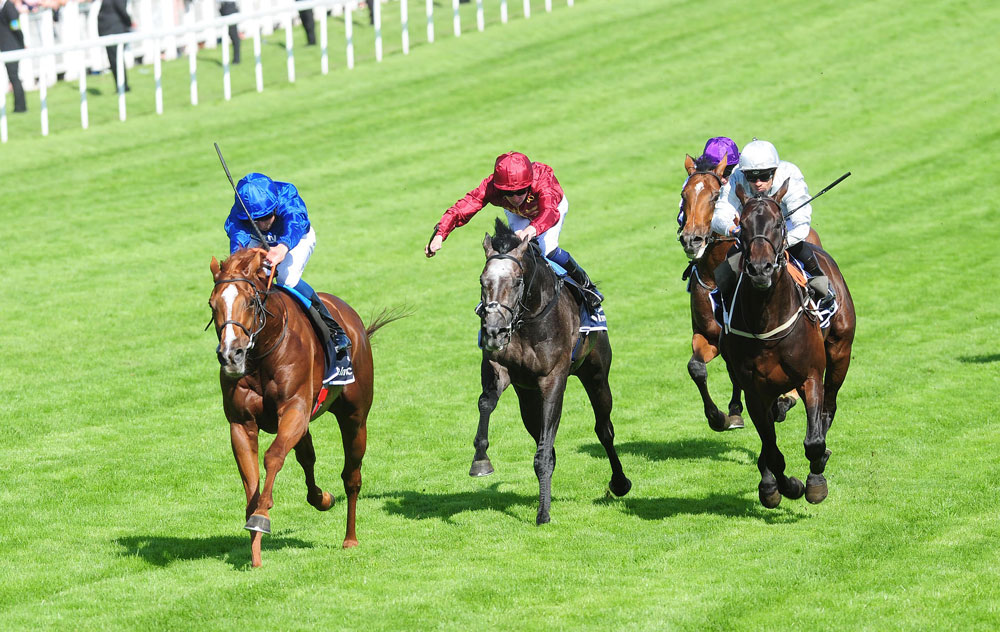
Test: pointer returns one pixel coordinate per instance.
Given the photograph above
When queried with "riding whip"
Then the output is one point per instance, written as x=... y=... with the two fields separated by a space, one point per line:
x=260 y=235
x=831 y=185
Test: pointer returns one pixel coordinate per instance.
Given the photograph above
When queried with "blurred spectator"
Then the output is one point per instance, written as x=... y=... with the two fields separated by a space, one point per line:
x=113 y=18
x=309 y=24
x=11 y=38
x=229 y=7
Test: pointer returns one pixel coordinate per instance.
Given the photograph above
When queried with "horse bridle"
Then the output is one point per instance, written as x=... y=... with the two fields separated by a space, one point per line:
x=712 y=237
x=515 y=320
x=260 y=313
x=779 y=253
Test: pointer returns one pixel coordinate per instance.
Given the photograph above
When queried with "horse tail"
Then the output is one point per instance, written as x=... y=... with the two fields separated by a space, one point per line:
x=387 y=316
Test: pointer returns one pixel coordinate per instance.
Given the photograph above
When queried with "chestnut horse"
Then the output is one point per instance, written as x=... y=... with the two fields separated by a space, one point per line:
x=774 y=342
x=271 y=372
x=707 y=250
x=530 y=328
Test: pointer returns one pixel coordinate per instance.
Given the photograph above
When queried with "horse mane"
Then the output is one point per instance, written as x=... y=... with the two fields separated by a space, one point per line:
x=504 y=239
x=239 y=259
x=704 y=164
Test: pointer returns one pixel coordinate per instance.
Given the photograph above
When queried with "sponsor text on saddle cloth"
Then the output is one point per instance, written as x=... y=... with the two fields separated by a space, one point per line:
x=591 y=318
x=334 y=375
x=724 y=314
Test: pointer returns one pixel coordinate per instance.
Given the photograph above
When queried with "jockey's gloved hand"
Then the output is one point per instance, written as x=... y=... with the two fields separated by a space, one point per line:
x=733 y=231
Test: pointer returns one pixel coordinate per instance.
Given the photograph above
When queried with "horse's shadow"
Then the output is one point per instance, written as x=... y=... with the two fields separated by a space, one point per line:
x=984 y=358
x=232 y=549
x=731 y=505
x=674 y=450
x=422 y=506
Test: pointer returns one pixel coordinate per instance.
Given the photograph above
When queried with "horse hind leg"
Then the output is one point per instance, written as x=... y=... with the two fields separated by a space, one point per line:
x=305 y=454
x=354 y=433
x=495 y=380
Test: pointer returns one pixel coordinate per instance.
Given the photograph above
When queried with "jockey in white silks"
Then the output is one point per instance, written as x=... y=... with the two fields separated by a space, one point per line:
x=761 y=171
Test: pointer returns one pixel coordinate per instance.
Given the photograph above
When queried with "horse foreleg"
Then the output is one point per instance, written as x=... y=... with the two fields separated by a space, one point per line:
x=815 y=442
x=593 y=373
x=354 y=433
x=552 y=390
x=293 y=424
x=702 y=352
x=244 y=441
x=305 y=454
x=771 y=463
x=495 y=380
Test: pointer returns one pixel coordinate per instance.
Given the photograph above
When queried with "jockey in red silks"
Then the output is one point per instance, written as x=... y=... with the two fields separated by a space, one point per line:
x=535 y=205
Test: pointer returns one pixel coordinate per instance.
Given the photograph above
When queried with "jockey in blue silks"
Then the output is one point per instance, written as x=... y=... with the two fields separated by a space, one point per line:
x=280 y=214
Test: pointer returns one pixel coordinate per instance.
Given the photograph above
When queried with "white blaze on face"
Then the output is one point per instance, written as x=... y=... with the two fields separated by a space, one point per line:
x=229 y=333
x=698 y=186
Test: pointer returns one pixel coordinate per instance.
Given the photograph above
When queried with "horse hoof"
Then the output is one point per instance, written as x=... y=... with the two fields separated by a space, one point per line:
x=325 y=502
x=718 y=422
x=258 y=523
x=781 y=407
x=770 y=497
x=542 y=520
x=481 y=468
x=350 y=544
x=816 y=490
x=734 y=422
x=620 y=487
x=793 y=488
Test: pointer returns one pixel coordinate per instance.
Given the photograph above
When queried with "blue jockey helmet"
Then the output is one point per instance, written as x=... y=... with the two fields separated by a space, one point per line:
x=259 y=194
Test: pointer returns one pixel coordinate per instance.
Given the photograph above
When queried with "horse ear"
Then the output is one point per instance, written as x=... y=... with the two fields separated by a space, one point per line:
x=741 y=194
x=689 y=163
x=488 y=246
x=215 y=268
x=782 y=191
x=721 y=167
x=519 y=251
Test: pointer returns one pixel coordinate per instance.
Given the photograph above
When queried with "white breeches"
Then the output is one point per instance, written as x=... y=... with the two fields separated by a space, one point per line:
x=290 y=269
x=549 y=240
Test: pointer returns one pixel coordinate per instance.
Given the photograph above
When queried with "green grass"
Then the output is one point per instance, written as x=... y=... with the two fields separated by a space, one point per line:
x=122 y=504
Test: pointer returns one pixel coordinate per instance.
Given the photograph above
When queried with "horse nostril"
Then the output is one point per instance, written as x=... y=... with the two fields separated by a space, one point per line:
x=239 y=353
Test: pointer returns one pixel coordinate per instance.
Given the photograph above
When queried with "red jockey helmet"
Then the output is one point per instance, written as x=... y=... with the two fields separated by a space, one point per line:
x=512 y=172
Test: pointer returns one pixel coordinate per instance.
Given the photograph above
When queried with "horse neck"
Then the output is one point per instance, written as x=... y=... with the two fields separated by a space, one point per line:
x=275 y=317
x=763 y=311
x=714 y=255
x=541 y=289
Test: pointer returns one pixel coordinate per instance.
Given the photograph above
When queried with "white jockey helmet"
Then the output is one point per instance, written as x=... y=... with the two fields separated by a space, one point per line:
x=757 y=155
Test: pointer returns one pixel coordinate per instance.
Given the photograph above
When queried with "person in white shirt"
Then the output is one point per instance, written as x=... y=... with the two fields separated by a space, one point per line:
x=762 y=172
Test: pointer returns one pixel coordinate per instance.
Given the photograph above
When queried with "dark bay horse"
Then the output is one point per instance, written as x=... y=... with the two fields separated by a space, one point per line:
x=774 y=343
x=271 y=372
x=530 y=327
x=707 y=250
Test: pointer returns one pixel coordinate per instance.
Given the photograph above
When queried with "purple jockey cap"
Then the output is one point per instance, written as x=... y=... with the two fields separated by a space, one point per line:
x=718 y=147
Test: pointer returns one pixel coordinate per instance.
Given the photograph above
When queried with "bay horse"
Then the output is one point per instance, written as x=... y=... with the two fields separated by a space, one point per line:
x=706 y=250
x=530 y=328
x=777 y=344
x=271 y=373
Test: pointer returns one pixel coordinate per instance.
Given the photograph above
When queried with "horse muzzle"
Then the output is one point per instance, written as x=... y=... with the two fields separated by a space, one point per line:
x=233 y=360
x=761 y=274
x=694 y=245
x=496 y=338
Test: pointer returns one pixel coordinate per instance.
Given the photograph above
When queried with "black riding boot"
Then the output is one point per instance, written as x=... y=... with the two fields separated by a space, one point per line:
x=590 y=292
x=819 y=284
x=338 y=347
